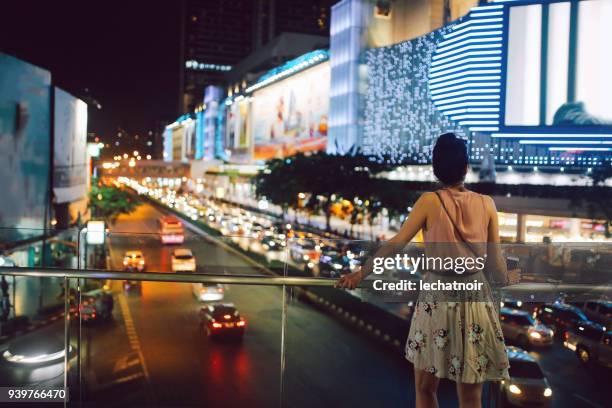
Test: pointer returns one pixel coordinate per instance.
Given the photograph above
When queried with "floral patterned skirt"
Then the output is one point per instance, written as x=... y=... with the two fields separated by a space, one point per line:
x=461 y=341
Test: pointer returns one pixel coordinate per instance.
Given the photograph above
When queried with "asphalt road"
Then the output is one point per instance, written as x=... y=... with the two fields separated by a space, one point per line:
x=154 y=350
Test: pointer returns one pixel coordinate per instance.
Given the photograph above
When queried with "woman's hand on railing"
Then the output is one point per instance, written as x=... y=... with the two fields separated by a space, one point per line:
x=349 y=281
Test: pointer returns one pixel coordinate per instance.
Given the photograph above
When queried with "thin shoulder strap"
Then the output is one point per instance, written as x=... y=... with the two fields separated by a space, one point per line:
x=455 y=226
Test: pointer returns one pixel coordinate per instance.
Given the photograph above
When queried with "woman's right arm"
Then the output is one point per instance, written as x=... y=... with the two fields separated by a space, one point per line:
x=416 y=220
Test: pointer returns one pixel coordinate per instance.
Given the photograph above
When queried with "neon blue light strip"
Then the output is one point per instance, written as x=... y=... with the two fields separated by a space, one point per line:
x=491 y=7
x=476 y=34
x=485 y=14
x=550 y=135
x=470 y=110
x=458 y=66
x=462 y=117
x=470 y=22
x=484 y=128
x=472 y=79
x=479 y=122
x=440 y=78
x=594 y=149
x=465 y=98
x=464 y=92
x=547 y=142
x=467 y=104
x=497 y=37
x=446 y=63
x=474 y=28
x=464 y=86
x=464 y=46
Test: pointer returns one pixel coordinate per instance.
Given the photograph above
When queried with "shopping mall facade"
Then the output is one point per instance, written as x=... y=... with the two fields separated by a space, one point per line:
x=515 y=78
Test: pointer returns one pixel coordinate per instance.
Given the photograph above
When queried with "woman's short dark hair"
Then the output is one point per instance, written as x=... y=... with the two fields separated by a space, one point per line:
x=450 y=159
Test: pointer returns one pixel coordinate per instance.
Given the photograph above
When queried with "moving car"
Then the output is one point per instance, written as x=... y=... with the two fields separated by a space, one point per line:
x=274 y=249
x=134 y=260
x=304 y=250
x=599 y=311
x=521 y=328
x=96 y=305
x=183 y=260
x=171 y=230
x=207 y=292
x=591 y=342
x=222 y=320
x=560 y=317
x=132 y=285
x=333 y=264
x=527 y=387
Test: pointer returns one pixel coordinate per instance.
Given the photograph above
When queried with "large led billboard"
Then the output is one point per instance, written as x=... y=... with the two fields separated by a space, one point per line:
x=527 y=82
x=291 y=115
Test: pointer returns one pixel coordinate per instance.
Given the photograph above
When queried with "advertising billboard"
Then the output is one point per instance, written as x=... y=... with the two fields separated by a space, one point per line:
x=25 y=148
x=70 y=169
x=291 y=115
x=526 y=82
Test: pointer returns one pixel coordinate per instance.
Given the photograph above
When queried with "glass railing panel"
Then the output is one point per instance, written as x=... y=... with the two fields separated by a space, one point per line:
x=33 y=324
x=360 y=335
x=161 y=346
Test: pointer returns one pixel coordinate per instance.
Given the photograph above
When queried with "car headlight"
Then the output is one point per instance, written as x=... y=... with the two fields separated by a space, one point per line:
x=310 y=265
x=514 y=389
x=305 y=257
x=547 y=392
x=519 y=303
x=535 y=335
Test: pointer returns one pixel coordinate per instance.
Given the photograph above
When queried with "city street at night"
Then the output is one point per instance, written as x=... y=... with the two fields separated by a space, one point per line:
x=306 y=203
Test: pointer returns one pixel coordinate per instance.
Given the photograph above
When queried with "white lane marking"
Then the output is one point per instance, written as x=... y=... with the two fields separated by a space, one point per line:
x=131 y=332
x=584 y=399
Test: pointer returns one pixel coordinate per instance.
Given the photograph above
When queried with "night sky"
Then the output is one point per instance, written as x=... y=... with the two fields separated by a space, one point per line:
x=125 y=52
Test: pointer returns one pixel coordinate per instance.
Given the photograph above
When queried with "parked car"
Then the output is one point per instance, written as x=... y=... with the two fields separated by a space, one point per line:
x=207 y=292
x=599 y=311
x=183 y=260
x=222 y=320
x=591 y=342
x=560 y=317
x=522 y=329
x=527 y=387
x=134 y=261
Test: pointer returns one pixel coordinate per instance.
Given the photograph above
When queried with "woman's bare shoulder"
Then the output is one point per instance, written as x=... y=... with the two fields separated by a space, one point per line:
x=489 y=203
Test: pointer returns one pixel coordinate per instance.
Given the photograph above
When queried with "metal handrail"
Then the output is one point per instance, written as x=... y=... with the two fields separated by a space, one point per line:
x=260 y=279
x=167 y=277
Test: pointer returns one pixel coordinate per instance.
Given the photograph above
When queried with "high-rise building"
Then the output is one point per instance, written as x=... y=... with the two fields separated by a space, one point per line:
x=274 y=17
x=215 y=36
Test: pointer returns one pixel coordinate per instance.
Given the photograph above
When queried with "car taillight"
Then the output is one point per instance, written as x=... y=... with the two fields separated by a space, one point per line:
x=566 y=335
x=217 y=325
x=241 y=323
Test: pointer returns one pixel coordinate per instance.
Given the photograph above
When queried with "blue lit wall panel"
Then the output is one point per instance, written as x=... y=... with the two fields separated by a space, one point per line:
x=25 y=148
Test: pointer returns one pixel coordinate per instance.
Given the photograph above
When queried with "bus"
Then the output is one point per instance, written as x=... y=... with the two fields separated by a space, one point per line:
x=171 y=230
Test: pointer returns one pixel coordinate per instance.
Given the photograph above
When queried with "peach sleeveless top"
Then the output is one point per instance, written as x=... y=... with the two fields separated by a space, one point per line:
x=469 y=214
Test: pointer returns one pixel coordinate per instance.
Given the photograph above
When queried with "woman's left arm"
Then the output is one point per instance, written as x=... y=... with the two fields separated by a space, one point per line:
x=415 y=221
